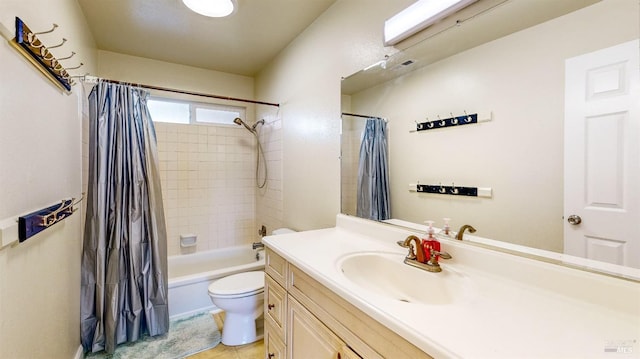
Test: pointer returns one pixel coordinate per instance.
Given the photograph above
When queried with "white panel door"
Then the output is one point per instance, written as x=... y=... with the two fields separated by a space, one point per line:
x=602 y=155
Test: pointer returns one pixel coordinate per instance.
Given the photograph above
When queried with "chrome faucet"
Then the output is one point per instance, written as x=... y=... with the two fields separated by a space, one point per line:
x=462 y=229
x=419 y=259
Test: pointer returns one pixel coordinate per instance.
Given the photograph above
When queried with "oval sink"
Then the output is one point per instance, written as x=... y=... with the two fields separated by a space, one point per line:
x=386 y=274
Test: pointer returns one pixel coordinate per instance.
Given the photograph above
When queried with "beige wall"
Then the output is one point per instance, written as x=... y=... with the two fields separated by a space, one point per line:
x=520 y=78
x=305 y=79
x=134 y=69
x=40 y=155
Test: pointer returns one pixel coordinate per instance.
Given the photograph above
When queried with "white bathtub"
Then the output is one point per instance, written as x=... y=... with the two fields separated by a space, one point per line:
x=191 y=274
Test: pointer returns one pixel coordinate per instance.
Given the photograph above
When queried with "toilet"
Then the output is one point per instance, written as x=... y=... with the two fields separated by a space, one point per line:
x=241 y=296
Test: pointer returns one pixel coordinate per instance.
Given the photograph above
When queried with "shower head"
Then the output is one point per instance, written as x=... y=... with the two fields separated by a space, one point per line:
x=239 y=121
x=261 y=122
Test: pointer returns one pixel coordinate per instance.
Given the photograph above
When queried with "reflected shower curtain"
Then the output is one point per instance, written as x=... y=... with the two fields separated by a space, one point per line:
x=373 y=172
x=124 y=255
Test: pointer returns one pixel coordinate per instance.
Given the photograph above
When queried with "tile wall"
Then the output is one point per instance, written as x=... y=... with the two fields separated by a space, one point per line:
x=208 y=185
x=351 y=137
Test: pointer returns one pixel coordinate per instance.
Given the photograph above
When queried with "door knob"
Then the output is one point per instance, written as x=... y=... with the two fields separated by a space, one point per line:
x=574 y=219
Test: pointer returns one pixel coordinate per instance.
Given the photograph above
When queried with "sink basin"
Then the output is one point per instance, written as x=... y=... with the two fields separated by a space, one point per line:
x=386 y=275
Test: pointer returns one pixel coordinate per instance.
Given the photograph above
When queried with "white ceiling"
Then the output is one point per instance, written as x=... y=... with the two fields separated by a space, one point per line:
x=166 y=30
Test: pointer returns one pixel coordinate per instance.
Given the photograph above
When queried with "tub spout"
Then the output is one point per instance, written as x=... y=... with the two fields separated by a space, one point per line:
x=257 y=245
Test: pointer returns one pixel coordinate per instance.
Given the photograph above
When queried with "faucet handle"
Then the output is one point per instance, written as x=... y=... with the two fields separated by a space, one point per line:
x=433 y=254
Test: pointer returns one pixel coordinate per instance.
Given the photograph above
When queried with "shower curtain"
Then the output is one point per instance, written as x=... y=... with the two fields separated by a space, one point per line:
x=373 y=172
x=124 y=255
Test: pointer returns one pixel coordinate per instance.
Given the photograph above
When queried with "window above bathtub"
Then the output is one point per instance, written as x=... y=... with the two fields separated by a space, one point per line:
x=186 y=112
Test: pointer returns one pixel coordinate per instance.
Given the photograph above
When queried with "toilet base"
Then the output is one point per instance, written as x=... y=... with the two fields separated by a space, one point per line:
x=241 y=330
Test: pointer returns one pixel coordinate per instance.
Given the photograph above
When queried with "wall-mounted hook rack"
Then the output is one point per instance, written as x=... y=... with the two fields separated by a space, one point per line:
x=21 y=228
x=29 y=45
x=450 y=121
x=36 y=222
x=452 y=190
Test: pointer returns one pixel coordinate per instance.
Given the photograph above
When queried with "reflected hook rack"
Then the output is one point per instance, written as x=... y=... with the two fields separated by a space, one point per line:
x=452 y=121
x=452 y=190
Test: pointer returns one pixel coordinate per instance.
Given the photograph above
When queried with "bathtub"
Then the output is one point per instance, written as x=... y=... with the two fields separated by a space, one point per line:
x=191 y=274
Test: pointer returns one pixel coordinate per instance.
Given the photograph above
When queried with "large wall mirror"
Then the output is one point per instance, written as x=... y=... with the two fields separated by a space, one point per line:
x=561 y=84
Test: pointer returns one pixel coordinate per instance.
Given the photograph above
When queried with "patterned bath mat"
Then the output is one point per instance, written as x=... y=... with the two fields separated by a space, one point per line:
x=186 y=336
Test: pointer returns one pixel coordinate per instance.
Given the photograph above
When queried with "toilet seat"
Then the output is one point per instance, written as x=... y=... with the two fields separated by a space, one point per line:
x=238 y=285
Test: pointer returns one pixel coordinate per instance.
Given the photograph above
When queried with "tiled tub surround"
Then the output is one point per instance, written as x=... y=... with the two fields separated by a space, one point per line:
x=208 y=184
x=514 y=307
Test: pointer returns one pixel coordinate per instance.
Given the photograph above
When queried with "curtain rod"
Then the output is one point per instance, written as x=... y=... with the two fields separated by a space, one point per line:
x=94 y=79
x=363 y=116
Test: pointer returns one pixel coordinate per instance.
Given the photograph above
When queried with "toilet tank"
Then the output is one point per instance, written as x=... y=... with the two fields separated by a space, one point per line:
x=278 y=231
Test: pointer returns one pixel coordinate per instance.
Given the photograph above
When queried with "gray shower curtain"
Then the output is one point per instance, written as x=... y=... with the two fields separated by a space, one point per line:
x=124 y=255
x=373 y=172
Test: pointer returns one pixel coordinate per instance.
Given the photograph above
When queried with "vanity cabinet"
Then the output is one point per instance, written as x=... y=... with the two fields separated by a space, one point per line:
x=304 y=319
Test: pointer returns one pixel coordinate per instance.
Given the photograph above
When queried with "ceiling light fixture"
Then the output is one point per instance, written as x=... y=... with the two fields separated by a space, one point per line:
x=211 y=8
x=419 y=16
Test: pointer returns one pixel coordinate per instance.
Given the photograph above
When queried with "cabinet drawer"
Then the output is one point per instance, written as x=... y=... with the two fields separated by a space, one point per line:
x=275 y=305
x=276 y=267
x=273 y=345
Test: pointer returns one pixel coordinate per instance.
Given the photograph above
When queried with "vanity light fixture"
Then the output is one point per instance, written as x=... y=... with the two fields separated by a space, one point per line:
x=212 y=8
x=419 y=16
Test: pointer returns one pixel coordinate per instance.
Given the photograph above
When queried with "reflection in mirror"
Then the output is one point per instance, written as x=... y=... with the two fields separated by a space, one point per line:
x=367 y=195
x=564 y=98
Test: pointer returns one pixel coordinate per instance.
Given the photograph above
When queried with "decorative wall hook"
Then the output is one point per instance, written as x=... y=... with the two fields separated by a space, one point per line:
x=77 y=67
x=55 y=26
x=50 y=58
x=60 y=44
x=68 y=57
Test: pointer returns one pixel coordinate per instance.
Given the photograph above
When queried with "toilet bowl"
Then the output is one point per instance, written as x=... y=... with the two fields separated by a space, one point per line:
x=241 y=296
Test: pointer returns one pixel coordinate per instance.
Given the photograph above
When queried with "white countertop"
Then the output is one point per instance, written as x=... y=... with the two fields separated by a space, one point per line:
x=514 y=307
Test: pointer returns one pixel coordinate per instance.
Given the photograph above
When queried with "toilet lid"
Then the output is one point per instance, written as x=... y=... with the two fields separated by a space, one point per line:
x=240 y=283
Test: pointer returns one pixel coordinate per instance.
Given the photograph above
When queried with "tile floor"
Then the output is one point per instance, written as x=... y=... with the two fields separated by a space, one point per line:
x=221 y=351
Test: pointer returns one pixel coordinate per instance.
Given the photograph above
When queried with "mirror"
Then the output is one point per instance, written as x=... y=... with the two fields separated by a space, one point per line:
x=540 y=73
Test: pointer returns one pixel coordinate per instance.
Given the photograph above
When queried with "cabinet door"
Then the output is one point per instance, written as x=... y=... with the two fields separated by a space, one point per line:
x=307 y=337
